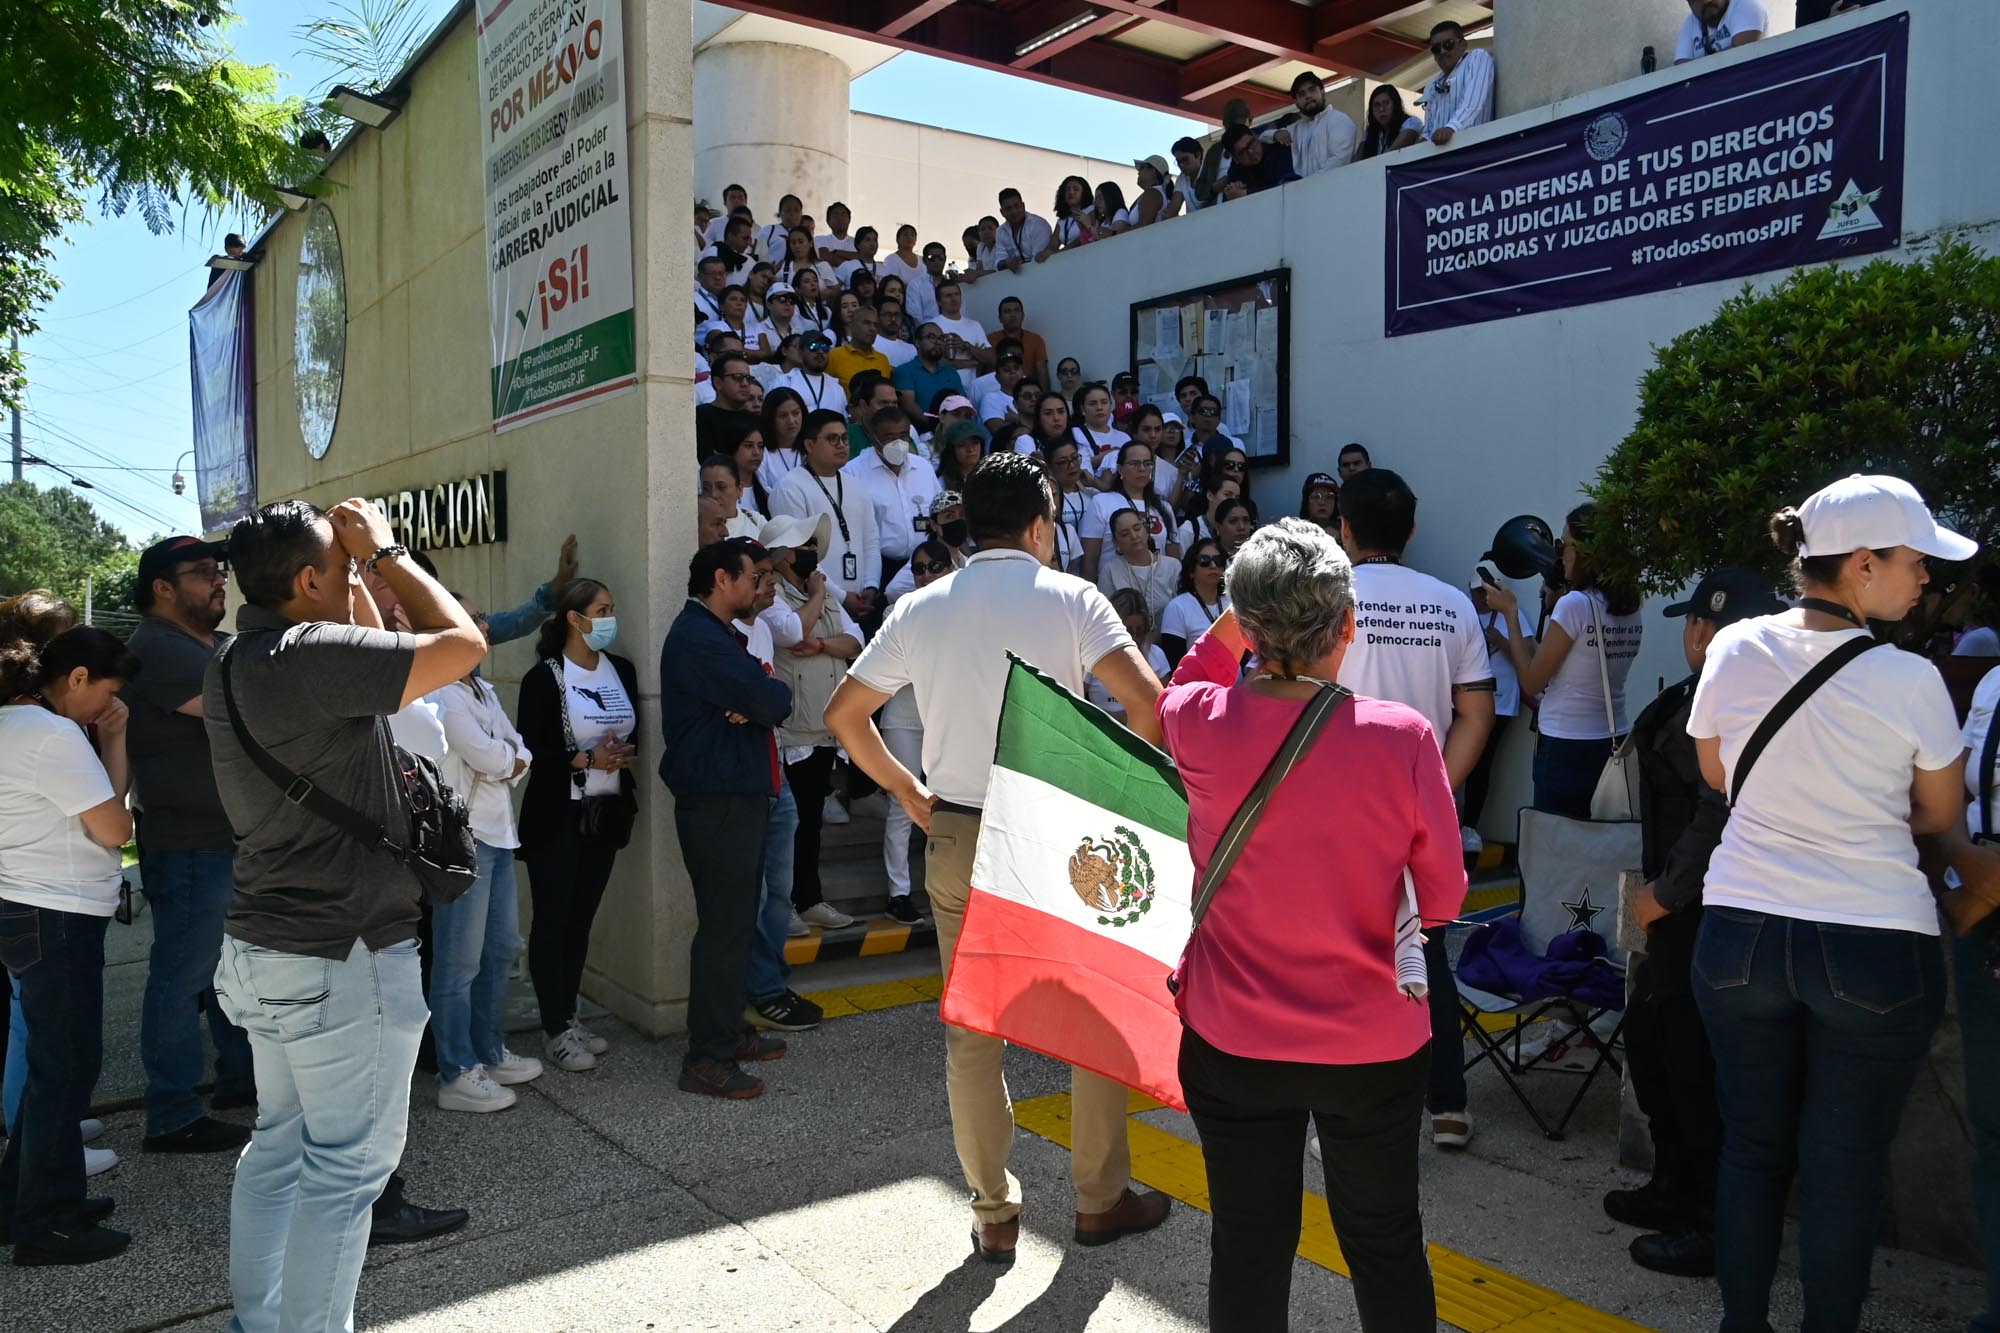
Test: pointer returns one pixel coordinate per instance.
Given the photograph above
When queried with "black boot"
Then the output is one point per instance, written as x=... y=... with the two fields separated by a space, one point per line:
x=1682 y=1254
x=1654 y=1206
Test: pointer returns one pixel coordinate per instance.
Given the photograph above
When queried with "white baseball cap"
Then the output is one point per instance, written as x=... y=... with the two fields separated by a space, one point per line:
x=1876 y=512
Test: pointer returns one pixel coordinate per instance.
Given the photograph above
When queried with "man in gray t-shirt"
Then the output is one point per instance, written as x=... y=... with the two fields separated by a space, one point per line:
x=319 y=960
x=185 y=849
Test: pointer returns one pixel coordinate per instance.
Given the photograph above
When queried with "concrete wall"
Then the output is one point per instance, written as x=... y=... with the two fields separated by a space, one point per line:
x=415 y=411
x=1486 y=421
x=944 y=181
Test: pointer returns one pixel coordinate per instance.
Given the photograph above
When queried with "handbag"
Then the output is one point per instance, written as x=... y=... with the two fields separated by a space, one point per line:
x=438 y=851
x=601 y=819
x=1987 y=753
x=1616 y=797
x=1244 y=822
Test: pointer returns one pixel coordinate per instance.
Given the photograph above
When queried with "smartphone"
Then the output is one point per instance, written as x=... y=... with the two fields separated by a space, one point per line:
x=1486 y=575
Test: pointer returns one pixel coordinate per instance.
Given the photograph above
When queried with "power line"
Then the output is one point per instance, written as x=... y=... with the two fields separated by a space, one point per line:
x=58 y=319
x=43 y=423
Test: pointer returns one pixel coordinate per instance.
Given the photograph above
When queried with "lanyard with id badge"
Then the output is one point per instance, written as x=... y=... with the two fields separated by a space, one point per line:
x=850 y=566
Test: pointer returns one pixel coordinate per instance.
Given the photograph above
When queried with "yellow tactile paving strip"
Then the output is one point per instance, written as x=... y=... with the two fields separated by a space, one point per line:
x=1471 y=1295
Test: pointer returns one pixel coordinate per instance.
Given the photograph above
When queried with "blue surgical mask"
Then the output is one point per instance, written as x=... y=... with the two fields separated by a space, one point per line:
x=603 y=629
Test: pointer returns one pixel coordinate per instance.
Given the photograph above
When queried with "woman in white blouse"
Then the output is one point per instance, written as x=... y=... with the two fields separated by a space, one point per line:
x=1389 y=126
x=1091 y=413
x=1201 y=600
x=1074 y=222
x=62 y=821
x=477 y=935
x=1818 y=969
x=1135 y=562
x=801 y=257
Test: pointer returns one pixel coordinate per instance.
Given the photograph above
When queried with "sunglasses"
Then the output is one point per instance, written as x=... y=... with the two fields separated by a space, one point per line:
x=1208 y=561
x=920 y=570
x=1447 y=45
x=819 y=345
x=1232 y=467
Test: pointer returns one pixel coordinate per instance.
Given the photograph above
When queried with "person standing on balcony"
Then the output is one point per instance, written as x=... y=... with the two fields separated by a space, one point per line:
x=1319 y=136
x=1715 y=26
x=1461 y=96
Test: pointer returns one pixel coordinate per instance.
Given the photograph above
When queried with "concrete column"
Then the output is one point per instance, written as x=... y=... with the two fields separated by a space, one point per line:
x=1547 y=50
x=771 y=117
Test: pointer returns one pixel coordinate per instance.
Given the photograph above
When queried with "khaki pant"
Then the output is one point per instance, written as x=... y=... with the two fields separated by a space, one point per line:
x=982 y=1116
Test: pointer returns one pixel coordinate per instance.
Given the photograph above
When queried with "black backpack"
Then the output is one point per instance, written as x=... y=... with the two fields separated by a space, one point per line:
x=438 y=849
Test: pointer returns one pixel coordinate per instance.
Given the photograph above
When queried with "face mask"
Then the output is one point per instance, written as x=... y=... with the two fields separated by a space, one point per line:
x=603 y=629
x=955 y=532
x=896 y=453
x=804 y=562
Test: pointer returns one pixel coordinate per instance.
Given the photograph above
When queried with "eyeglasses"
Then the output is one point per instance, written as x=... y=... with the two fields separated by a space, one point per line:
x=819 y=345
x=920 y=570
x=1444 y=47
x=208 y=573
x=1232 y=467
x=1208 y=411
x=1208 y=561
x=740 y=376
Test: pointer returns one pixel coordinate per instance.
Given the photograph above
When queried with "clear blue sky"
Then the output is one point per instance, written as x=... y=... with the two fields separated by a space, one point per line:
x=109 y=398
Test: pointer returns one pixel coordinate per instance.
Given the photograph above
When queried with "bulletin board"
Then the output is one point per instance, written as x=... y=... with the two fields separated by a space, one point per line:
x=1237 y=336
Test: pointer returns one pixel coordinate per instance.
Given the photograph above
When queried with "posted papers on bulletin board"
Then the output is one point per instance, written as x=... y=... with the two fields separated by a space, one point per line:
x=558 y=216
x=1235 y=335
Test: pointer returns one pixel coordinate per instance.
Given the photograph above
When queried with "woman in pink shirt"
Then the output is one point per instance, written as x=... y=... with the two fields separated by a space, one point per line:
x=1288 y=989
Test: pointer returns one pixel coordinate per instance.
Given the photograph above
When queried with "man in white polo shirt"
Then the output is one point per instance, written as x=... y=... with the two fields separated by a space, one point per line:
x=1417 y=640
x=949 y=642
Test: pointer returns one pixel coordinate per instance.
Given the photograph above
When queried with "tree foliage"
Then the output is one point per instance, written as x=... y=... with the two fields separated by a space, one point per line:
x=138 y=102
x=1888 y=368
x=53 y=538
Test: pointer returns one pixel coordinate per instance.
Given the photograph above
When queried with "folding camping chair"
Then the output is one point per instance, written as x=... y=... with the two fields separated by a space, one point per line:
x=1565 y=885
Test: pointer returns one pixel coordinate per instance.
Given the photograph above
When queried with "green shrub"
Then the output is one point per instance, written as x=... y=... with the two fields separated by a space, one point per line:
x=1890 y=367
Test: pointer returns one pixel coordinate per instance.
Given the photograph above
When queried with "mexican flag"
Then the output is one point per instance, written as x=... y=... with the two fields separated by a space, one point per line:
x=1081 y=889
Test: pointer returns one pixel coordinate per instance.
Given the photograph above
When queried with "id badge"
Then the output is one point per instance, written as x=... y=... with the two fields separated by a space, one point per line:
x=850 y=567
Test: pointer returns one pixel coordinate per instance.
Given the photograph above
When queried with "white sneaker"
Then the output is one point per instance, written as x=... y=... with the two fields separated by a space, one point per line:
x=798 y=929
x=510 y=1069
x=96 y=1161
x=566 y=1051
x=473 y=1091
x=1470 y=840
x=833 y=812
x=826 y=914
x=593 y=1043
x=92 y=1129
x=1451 y=1129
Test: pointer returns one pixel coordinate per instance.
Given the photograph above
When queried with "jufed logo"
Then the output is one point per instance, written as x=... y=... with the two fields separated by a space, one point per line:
x=1851 y=211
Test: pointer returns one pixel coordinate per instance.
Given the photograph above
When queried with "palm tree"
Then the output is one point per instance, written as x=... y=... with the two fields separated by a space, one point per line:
x=365 y=43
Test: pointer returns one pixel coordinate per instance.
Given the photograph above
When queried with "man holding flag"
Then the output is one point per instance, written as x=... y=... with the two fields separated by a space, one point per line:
x=950 y=643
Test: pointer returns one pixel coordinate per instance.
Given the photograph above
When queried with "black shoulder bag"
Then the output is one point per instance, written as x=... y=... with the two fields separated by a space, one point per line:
x=1987 y=754
x=603 y=819
x=438 y=851
x=1792 y=701
x=1241 y=825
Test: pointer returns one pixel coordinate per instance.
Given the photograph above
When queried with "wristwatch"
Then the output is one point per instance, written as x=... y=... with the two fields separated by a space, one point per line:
x=385 y=553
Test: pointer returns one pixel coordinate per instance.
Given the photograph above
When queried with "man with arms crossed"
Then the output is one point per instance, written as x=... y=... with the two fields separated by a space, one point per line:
x=319 y=956
x=949 y=643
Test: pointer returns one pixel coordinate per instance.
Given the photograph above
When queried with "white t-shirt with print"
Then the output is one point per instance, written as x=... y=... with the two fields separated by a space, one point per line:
x=1741 y=16
x=1187 y=619
x=1821 y=829
x=1573 y=703
x=1097 y=519
x=599 y=709
x=1097 y=692
x=1416 y=638
x=49 y=776
x=1100 y=447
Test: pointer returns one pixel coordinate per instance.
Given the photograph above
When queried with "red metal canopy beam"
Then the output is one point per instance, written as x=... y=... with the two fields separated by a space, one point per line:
x=907 y=14
x=1338 y=19
x=1220 y=69
x=1376 y=52
x=1101 y=26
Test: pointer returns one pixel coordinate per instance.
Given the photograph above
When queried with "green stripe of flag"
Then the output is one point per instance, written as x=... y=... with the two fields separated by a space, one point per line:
x=1048 y=733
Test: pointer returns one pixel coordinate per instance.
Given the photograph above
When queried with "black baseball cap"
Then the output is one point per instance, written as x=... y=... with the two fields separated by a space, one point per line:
x=158 y=560
x=1317 y=480
x=1726 y=596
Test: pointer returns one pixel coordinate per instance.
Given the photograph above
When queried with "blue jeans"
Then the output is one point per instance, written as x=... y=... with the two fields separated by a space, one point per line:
x=1979 y=1025
x=14 y=1079
x=473 y=941
x=188 y=893
x=770 y=974
x=57 y=959
x=1818 y=1032
x=335 y=1044
x=1566 y=774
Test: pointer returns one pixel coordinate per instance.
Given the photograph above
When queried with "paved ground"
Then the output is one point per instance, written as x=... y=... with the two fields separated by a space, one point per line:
x=610 y=1200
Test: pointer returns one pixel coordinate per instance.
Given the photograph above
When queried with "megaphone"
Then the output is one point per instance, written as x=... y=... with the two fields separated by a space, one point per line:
x=1525 y=547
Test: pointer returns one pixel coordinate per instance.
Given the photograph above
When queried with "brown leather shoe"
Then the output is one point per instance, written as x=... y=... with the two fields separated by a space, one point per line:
x=1132 y=1214
x=994 y=1241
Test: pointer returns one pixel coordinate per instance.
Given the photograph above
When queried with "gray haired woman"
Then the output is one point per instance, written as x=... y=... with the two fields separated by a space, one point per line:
x=1268 y=1042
